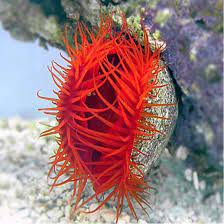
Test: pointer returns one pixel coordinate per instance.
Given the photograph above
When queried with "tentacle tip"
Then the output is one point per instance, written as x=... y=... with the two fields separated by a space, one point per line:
x=49 y=68
x=38 y=93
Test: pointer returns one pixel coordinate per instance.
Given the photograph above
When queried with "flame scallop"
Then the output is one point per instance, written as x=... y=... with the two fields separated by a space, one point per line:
x=101 y=108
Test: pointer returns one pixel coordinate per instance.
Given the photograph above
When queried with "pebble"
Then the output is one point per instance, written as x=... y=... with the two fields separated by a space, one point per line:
x=141 y=221
x=195 y=180
x=182 y=152
x=108 y=215
x=188 y=174
x=125 y=218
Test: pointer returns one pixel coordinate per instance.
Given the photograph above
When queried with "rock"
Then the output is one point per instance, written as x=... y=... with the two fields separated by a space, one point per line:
x=181 y=152
x=108 y=215
x=141 y=221
x=195 y=180
x=188 y=174
x=194 y=53
x=124 y=219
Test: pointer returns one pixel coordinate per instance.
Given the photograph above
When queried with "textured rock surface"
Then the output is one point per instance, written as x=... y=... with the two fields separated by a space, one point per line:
x=195 y=56
x=181 y=196
x=44 y=20
x=27 y=21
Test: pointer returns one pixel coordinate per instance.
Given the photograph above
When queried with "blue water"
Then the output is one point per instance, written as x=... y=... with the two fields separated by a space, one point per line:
x=23 y=72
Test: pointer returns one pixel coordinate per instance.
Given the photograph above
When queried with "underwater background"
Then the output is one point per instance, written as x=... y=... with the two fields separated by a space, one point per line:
x=188 y=177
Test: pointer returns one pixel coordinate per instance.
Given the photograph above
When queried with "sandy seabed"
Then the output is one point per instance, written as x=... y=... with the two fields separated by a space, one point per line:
x=25 y=196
